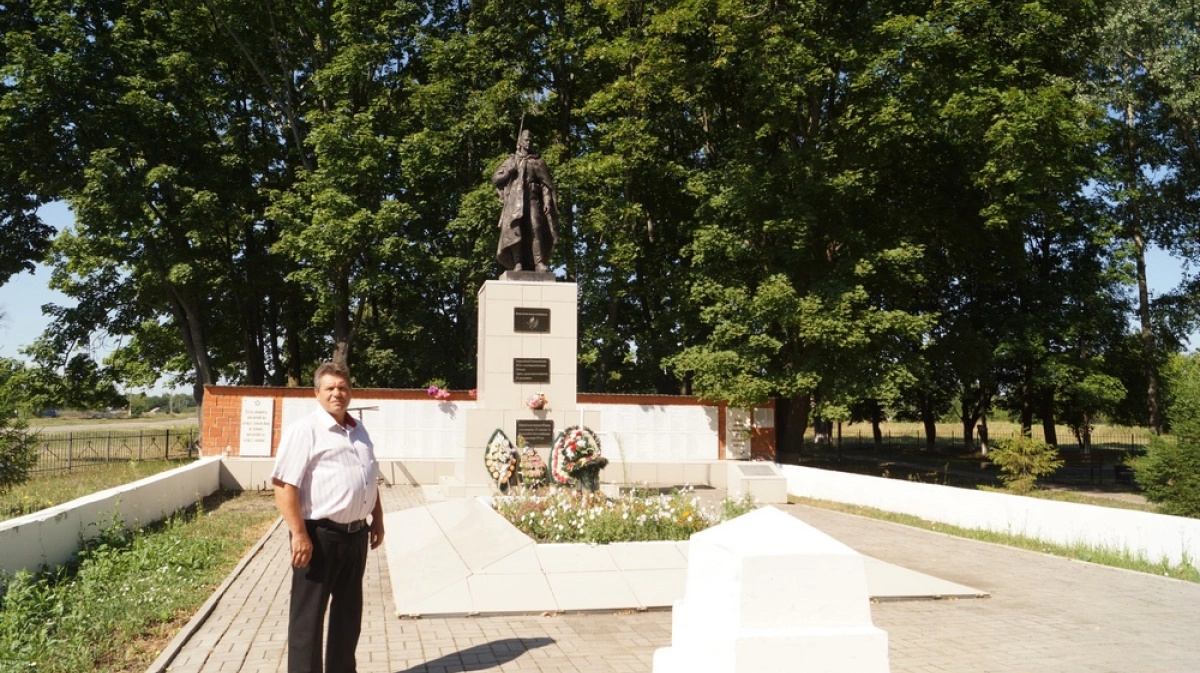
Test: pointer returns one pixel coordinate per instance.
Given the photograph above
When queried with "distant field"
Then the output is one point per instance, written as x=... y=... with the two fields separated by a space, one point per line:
x=69 y=419
x=48 y=490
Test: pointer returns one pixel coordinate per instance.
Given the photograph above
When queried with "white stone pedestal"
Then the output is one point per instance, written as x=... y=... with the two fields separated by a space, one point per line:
x=500 y=401
x=759 y=479
x=767 y=593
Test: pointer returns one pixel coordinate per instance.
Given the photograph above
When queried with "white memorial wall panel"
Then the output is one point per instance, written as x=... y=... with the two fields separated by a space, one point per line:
x=657 y=433
x=403 y=428
x=424 y=429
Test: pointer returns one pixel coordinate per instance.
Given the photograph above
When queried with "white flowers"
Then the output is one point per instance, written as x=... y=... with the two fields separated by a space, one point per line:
x=500 y=457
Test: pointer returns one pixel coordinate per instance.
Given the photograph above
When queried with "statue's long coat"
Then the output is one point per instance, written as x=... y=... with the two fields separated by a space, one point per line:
x=513 y=180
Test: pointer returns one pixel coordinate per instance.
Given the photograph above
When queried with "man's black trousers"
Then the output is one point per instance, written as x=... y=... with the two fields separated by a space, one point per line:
x=333 y=579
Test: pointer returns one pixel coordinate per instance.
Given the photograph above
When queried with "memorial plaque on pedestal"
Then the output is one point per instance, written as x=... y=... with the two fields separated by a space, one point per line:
x=536 y=433
x=531 y=370
x=757 y=470
x=531 y=320
x=258 y=413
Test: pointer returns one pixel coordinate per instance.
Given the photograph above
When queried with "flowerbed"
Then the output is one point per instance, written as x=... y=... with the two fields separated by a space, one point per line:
x=564 y=515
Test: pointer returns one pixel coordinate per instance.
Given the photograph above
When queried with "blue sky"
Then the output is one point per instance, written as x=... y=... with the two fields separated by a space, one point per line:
x=22 y=297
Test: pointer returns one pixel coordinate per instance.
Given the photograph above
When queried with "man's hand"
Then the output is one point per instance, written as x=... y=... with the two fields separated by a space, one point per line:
x=301 y=550
x=377 y=522
x=287 y=497
x=376 y=532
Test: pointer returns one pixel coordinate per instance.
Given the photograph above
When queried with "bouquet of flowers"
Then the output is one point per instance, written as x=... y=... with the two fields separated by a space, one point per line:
x=537 y=401
x=501 y=457
x=576 y=457
x=533 y=468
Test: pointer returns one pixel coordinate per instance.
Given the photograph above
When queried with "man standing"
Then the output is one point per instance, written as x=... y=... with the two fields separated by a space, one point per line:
x=325 y=487
x=529 y=219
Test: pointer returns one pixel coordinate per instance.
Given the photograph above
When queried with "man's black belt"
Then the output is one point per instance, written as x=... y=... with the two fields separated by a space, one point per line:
x=352 y=527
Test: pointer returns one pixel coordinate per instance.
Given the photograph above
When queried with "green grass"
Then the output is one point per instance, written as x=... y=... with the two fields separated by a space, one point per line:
x=64 y=423
x=48 y=490
x=1116 y=558
x=1082 y=498
x=115 y=610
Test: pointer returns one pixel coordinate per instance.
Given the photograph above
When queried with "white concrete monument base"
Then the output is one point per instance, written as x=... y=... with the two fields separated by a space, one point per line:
x=767 y=593
x=527 y=317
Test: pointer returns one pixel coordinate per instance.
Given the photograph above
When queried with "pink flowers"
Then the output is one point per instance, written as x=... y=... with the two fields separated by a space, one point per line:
x=439 y=394
x=537 y=401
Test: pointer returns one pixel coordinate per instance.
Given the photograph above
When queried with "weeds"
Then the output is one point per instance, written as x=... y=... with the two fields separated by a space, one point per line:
x=113 y=608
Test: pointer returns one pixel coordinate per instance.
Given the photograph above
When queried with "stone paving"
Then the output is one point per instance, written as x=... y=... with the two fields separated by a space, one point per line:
x=1046 y=614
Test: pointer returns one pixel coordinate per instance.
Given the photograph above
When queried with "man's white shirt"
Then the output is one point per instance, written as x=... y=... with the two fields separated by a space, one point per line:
x=333 y=467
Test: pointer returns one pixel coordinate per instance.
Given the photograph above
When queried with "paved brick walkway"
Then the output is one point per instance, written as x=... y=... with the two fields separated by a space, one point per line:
x=1046 y=615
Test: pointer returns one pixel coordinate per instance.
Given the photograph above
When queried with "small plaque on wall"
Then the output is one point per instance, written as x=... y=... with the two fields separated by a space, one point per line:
x=531 y=370
x=536 y=433
x=258 y=413
x=531 y=320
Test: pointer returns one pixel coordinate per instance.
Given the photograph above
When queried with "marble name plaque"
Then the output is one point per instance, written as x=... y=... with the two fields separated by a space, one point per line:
x=531 y=320
x=258 y=415
x=536 y=433
x=531 y=370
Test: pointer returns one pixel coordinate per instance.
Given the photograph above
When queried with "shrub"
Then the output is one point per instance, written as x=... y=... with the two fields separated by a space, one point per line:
x=1022 y=460
x=18 y=451
x=1169 y=475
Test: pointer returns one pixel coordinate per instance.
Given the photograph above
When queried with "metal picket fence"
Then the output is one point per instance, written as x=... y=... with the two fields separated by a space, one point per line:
x=1115 y=442
x=66 y=451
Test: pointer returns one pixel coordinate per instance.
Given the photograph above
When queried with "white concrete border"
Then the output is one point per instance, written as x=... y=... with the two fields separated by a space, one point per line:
x=52 y=536
x=1155 y=537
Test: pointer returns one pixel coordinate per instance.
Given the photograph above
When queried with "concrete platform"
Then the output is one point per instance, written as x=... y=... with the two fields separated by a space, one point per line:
x=460 y=557
x=1045 y=614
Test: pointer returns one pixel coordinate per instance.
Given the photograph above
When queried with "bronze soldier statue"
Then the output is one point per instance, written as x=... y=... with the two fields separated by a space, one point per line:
x=529 y=220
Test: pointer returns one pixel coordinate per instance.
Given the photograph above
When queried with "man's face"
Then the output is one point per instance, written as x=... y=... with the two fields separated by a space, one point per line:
x=334 y=395
x=524 y=142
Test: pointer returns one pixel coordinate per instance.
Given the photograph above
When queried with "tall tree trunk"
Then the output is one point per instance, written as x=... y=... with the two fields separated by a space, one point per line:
x=1148 y=346
x=343 y=330
x=876 y=420
x=794 y=416
x=930 y=422
x=983 y=433
x=1027 y=394
x=1047 y=414
x=1138 y=235
x=971 y=405
x=191 y=330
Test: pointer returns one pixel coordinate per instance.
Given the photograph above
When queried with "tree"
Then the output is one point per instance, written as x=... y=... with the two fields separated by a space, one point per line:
x=1145 y=80
x=1169 y=473
x=798 y=265
x=18 y=447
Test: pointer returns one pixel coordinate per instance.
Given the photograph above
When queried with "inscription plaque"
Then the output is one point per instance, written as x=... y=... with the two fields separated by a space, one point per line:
x=536 y=433
x=257 y=416
x=531 y=320
x=757 y=470
x=531 y=370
